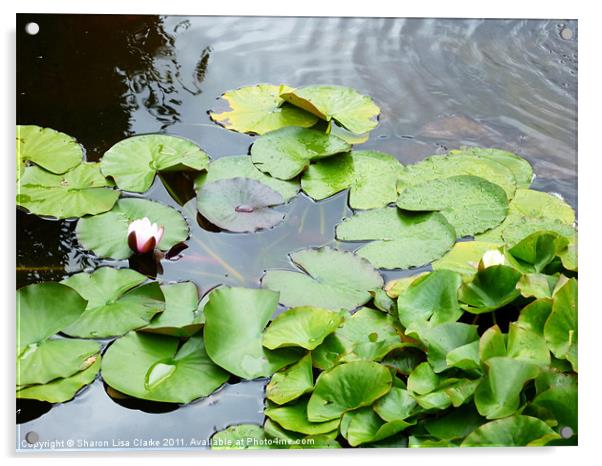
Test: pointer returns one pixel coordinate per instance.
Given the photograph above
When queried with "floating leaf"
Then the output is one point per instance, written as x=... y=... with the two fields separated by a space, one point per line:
x=259 y=109
x=157 y=368
x=53 y=151
x=561 y=330
x=559 y=403
x=402 y=240
x=450 y=392
x=334 y=279
x=293 y=417
x=235 y=319
x=292 y=382
x=61 y=390
x=423 y=379
x=465 y=357
x=515 y=431
x=498 y=393
x=432 y=298
x=286 y=152
x=397 y=405
x=180 y=317
x=457 y=424
x=521 y=168
x=106 y=234
x=490 y=289
x=134 y=162
x=240 y=166
x=366 y=335
x=81 y=191
x=301 y=326
x=470 y=203
x=536 y=251
x=240 y=204
x=536 y=285
x=240 y=437
x=356 y=112
x=442 y=166
x=347 y=387
x=295 y=440
x=464 y=257
x=116 y=302
x=370 y=177
x=364 y=426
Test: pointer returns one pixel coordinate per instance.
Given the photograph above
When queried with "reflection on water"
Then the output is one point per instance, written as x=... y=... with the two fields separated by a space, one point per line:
x=440 y=84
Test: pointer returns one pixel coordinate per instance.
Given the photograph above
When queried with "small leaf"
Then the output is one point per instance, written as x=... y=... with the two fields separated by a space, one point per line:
x=490 y=289
x=561 y=330
x=240 y=437
x=290 y=383
x=515 y=431
x=293 y=417
x=364 y=426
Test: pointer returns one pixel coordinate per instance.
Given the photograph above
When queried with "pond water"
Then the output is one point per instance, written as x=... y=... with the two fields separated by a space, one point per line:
x=441 y=84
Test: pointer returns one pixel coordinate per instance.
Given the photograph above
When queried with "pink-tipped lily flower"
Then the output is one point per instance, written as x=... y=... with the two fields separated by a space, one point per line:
x=144 y=236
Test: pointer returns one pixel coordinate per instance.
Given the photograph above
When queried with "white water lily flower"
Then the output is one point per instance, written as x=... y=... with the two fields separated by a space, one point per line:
x=493 y=257
x=144 y=236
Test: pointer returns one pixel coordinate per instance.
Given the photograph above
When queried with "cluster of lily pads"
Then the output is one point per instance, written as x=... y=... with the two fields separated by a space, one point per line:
x=480 y=351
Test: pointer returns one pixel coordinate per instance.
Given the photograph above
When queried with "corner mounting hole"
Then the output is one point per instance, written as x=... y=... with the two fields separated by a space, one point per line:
x=566 y=432
x=32 y=28
x=32 y=437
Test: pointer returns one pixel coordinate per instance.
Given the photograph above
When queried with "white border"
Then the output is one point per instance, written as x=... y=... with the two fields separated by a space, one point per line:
x=590 y=200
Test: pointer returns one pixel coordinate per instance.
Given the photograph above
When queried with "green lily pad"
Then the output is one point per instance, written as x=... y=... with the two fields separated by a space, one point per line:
x=514 y=431
x=293 y=417
x=498 y=394
x=397 y=405
x=134 y=162
x=559 y=403
x=334 y=279
x=240 y=437
x=450 y=392
x=432 y=298
x=240 y=204
x=81 y=191
x=301 y=326
x=401 y=240
x=53 y=151
x=365 y=426
x=347 y=387
x=470 y=203
x=61 y=390
x=537 y=285
x=527 y=344
x=366 y=335
x=457 y=424
x=536 y=251
x=530 y=211
x=259 y=109
x=117 y=302
x=181 y=317
x=290 y=383
x=423 y=379
x=442 y=166
x=465 y=357
x=235 y=319
x=356 y=112
x=240 y=166
x=492 y=344
x=286 y=152
x=157 y=368
x=370 y=177
x=464 y=257
x=561 y=330
x=295 y=440
x=490 y=289
x=106 y=234
x=521 y=168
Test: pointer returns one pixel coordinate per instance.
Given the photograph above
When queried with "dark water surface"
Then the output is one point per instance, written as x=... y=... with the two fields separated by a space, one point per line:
x=440 y=84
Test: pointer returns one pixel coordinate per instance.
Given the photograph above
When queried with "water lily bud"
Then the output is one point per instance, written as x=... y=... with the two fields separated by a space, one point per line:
x=144 y=236
x=493 y=257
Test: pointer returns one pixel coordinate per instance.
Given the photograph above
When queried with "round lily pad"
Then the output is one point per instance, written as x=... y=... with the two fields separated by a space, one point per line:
x=259 y=109
x=370 y=177
x=235 y=319
x=305 y=327
x=133 y=162
x=293 y=417
x=333 y=279
x=286 y=152
x=470 y=203
x=401 y=240
x=347 y=387
x=443 y=166
x=157 y=368
x=81 y=191
x=240 y=166
x=52 y=150
x=514 y=431
x=106 y=235
x=356 y=112
x=240 y=437
x=521 y=168
x=290 y=383
x=240 y=204
x=117 y=302
x=364 y=426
